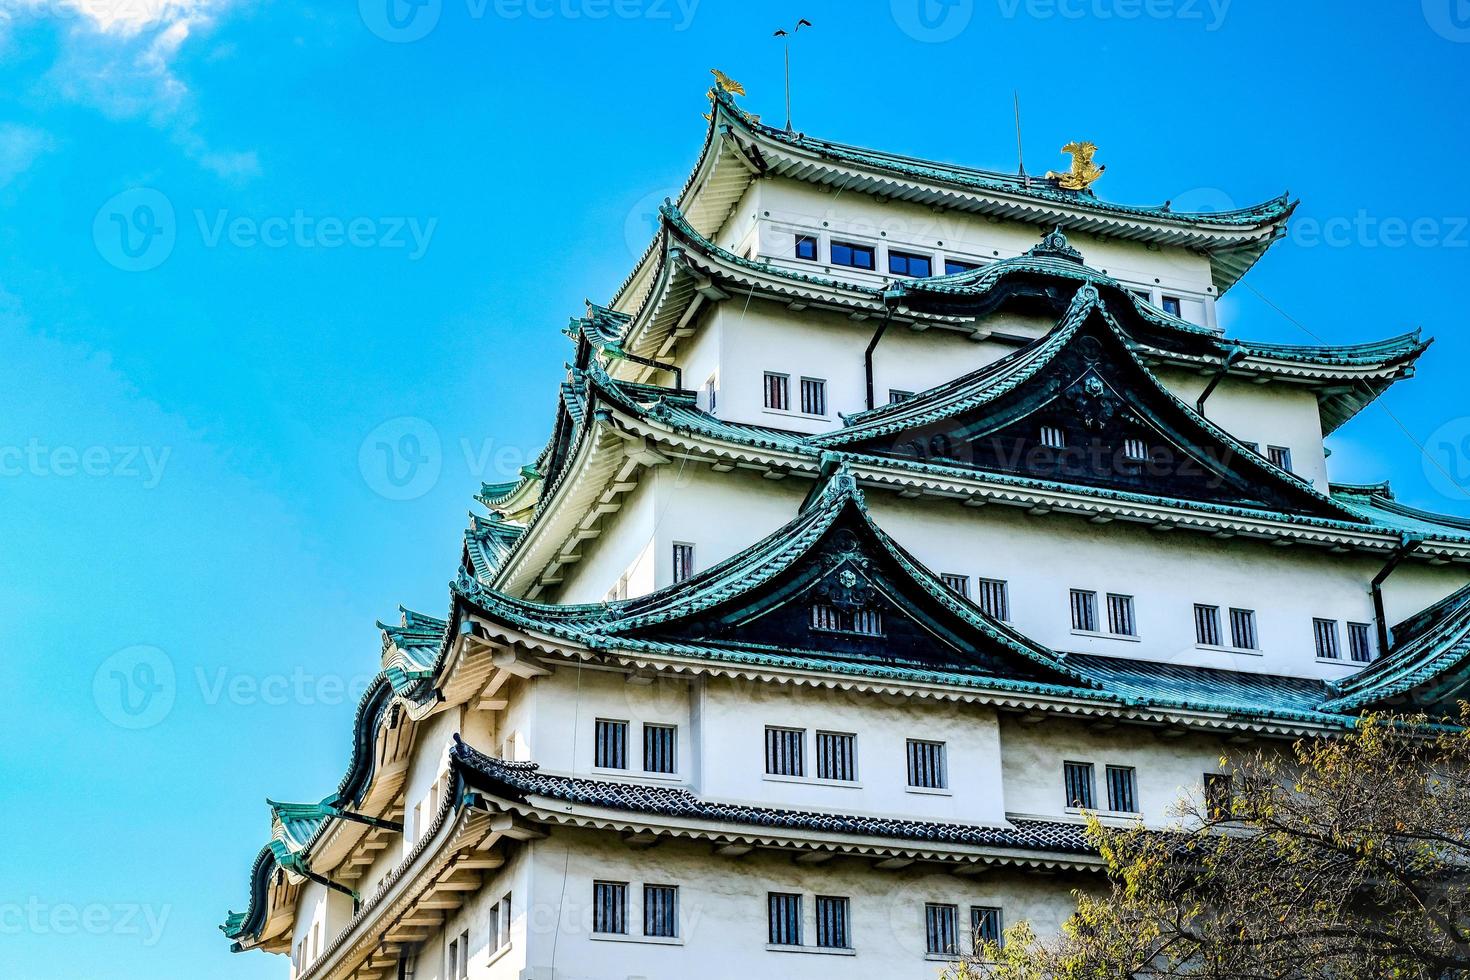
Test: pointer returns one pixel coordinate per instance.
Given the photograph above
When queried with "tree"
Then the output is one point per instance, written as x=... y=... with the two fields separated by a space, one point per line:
x=1347 y=858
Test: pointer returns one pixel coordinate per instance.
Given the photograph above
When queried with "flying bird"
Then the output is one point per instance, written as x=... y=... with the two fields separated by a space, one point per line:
x=799 y=25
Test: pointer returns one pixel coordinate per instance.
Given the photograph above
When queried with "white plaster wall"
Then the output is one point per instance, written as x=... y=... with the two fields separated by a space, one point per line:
x=486 y=960
x=622 y=547
x=429 y=761
x=723 y=918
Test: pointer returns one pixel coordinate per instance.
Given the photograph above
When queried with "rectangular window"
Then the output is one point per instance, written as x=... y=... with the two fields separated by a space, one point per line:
x=1243 y=629
x=909 y=264
x=941 y=929
x=832 y=922
x=1171 y=305
x=660 y=748
x=1360 y=642
x=1207 y=625
x=683 y=561
x=611 y=748
x=1084 y=611
x=1077 y=776
x=711 y=393
x=954 y=267
x=610 y=907
x=1053 y=437
x=813 y=396
x=1122 y=796
x=896 y=395
x=452 y=966
x=836 y=756
x=505 y=920
x=825 y=617
x=1143 y=294
x=661 y=911
x=1120 y=615
x=778 y=391
x=784 y=751
x=1135 y=449
x=494 y=933
x=1279 y=456
x=985 y=925
x=1254 y=447
x=926 y=764
x=806 y=247
x=857 y=256
x=464 y=955
x=1219 y=795
x=958 y=584
x=784 y=916
x=1325 y=631
x=868 y=622
x=993 y=598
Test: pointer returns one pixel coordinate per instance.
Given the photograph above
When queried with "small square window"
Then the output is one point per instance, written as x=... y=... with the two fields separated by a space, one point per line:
x=941 y=929
x=910 y=264
x=1120 y=615
x=1280 y=457
x=926 y=764
x=1243 y=629
x=993 y=598
x=660 y=748
x=836 y=756
x=611 y=745
x=849 y=254
x=813 y=396
x=1360 y=642
x=661 y=911
x=832 y=918
x=806 y=247
x=1077 y=780
x=958 y=584
x=778 y=391
x=1207 y=625
x=1219 y=795
x=1053 y=437
x=1135 y=449
x=1324 y=632
x=784 y=755
x=783 y=913
x=1084 y=611
x=953 y=267
x=986 y=925
x=1171 y=305
x=610 y=907
x=1122 y=795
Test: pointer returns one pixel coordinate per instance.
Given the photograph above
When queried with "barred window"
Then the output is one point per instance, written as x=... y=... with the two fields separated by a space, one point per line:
x=832 y=922
x=868 y=622
x=959 y=584
x=1077 y=777
x=926 y=764
x=661 y=910
x=813 y=396
x=1120 y=615
x=778 y=391
x=1122 y=796
x=993 y=598
x=825 y=617
x=896 y=395
x=784 y=751
x=610 y=907
x=1243 y=629
x=1053 y=437
x=836 y=756
x=784 y=915
x=1279 y=456
x=1325 y=631
x=941 y=929
x=1135 y=449
x=985 y=925
x=1219 y=794
x=683 y=561
x=660 y=748
x=1360 y=642
x=611 y=750
x=1207 y=625
x=1084 y=611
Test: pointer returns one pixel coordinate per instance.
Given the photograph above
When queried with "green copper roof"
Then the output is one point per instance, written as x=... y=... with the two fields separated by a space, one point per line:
x=1376 y=504
x=1428 y=664
x=488 y=540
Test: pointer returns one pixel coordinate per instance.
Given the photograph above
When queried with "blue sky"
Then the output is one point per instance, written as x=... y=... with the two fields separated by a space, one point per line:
x=352 y=225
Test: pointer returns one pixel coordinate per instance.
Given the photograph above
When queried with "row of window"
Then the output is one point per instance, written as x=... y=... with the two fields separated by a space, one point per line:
x=1135 y=447
x=457 y=952
x=813 y=392
x=855 y=255
x=836 y=757
x=1121 y=783
x=660 y=746
x=786 y=919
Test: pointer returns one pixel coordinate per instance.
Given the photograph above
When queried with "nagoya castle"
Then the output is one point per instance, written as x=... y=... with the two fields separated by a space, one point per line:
x=894 y=516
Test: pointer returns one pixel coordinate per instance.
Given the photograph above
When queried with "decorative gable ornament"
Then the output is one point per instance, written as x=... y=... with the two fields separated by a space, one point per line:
x=1054 y=245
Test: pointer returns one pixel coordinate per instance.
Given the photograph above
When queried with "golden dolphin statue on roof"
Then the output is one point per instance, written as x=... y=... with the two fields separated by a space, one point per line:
x=1083 y=171
x=727 y=83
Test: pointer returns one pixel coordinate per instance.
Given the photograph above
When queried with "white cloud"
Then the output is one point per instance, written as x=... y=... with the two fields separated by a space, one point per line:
x=20 y=146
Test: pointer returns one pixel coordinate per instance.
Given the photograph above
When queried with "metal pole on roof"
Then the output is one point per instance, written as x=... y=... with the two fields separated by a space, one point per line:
x=786 y=35
x=1020 y=157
